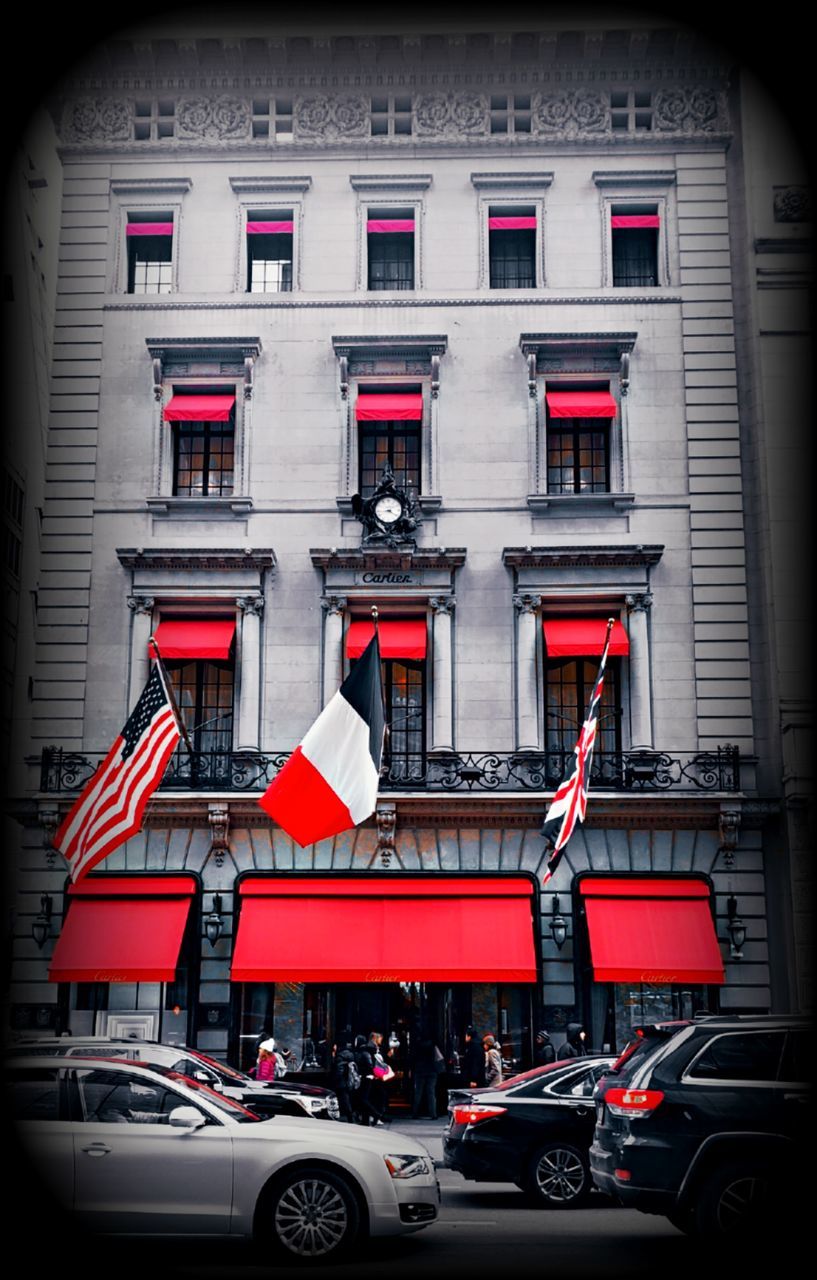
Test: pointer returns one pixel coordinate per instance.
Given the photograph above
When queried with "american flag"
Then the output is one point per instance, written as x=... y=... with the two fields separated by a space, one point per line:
x=569 y=804
x=110 y=808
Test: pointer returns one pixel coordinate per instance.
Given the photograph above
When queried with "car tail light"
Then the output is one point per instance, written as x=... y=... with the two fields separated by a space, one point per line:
x=624 y=1175
x=476 y=1114
x=633 y=1102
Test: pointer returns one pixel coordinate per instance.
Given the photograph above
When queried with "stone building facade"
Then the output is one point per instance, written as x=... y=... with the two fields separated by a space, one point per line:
x=507 y=264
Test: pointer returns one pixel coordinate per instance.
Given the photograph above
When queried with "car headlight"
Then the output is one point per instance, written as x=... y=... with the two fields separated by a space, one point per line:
x=407 y=1166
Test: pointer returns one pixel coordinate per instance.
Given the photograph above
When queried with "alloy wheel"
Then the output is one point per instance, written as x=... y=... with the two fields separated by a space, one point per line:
x=311 y=1218
x=740 y=1201
x=559 y=1175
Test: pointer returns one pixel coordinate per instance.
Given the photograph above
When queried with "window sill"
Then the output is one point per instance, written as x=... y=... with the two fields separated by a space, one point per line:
x=218 y=507
x=579 y=504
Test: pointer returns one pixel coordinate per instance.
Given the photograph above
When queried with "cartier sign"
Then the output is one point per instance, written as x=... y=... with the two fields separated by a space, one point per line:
x=389 y=579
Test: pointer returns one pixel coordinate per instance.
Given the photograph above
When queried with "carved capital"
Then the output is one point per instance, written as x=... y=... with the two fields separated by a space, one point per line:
x=640 y=603
x=218 y=815
x=728 y=830
x=386 y=819
x=334 y=606
x=524 y=603
x=251 y=604
x=141 y=605
x=443 y=604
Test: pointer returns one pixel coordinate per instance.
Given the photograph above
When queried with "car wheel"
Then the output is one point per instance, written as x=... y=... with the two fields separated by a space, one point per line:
x=558 y=1176
x=734 y=1201
x=309 y=1215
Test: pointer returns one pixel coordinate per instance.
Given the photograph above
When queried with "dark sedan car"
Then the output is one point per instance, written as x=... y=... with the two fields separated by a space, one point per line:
x=278 y=1097
x=534 y=1130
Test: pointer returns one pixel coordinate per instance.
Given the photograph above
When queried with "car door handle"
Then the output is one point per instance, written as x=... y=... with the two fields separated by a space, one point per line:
x=97 y=1149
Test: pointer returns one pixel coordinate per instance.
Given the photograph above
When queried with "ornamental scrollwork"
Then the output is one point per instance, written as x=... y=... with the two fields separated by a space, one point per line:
x=571 y=113
x=329 y=118
x=451 y=115
x=99 y=120
x=209 y=119
x=792 y=204
x=686 y=111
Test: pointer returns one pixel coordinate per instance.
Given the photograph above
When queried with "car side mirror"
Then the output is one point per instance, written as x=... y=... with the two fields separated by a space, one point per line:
x=186 y=1118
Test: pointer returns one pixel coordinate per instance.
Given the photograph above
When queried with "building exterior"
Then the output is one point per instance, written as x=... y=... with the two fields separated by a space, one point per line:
x=515 y=267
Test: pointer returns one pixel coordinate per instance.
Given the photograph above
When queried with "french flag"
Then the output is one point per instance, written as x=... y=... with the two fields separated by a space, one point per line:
x=330 y=781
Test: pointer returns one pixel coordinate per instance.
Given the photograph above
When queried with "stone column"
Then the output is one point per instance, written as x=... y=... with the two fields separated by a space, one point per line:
x=333 y=610
x=142 y=609
x=527 y=687
x=442 y=729
x=247 y=736
x=640 y=701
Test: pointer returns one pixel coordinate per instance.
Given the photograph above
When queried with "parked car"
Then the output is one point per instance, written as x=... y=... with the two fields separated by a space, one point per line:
x=706 y=1122
x=533 y=1130
x=275 y=1097
x=129 y=1150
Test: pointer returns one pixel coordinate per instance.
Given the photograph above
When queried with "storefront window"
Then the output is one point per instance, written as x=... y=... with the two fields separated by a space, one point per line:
x=636 y=1003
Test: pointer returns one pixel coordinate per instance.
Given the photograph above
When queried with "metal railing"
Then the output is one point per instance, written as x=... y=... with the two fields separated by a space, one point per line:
x=470 y=771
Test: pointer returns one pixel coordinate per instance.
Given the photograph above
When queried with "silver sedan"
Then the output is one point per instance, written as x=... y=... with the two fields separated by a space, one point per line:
x=129 y=1150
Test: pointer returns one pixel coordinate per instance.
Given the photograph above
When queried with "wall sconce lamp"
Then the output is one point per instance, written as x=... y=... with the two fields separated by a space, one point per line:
x=558 y=924
x=214 y=923
x=41 y=924
x=735 y=928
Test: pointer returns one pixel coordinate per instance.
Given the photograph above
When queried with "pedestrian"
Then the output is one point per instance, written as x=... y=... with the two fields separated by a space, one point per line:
x=265 y=1065
x=473 y=1060
x=575 y=1045
x=493 y=1062
x=368 y=1109
x=428 y=1063
x=345 y=1081
x=381 y=1071
x=543 y=1051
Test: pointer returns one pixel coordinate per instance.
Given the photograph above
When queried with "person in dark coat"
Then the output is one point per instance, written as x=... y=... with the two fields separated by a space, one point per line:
x=372 y=1094
x=543 y=1050
x=473 y=1060
x=341 y=1083
x=425 y=1071
x=575 y=1046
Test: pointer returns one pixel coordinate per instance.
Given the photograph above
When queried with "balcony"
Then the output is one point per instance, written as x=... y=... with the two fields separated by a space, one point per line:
x=640 y=771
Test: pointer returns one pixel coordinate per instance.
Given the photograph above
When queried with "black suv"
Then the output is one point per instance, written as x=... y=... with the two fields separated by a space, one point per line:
x=706 y=1122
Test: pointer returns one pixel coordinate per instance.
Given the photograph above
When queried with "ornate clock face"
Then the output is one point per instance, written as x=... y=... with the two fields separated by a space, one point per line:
x=388 y=509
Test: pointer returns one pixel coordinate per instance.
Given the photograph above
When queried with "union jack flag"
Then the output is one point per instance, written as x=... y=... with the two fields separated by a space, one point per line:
x=569 y=804
x=109 y=809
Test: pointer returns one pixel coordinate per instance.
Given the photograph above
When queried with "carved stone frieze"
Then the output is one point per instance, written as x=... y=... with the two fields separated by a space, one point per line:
x=98 y=120
x=212 y=119
x=451 y=115
x=49 y=819
x=792 y=204
x=571 y=113
x=386 y=819
x=327 y=118
x=693 y=110
x=218 y=816
x=729 y=830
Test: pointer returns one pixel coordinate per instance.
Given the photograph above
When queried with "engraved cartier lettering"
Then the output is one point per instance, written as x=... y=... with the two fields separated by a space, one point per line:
x=388 y=579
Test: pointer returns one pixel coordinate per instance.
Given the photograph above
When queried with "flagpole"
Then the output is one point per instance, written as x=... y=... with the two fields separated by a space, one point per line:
x=171 y=697
x=386 y=725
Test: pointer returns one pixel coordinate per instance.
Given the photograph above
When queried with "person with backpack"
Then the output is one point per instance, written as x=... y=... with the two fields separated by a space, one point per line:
x=345 y=1081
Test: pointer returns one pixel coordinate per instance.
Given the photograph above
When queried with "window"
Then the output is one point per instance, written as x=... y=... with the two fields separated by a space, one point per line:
x=569 y=684
x=510 y=113
x=512 y=247
x=272 y=118
x=752 y=1056
x=390 y=116
x=403 y=647
x=203 y=426
x=198 y=654
x=390 y=248
x=150 y=253
x=631 y=111
x=389 y=423
x=34 y=1094
x=634 y=234
x=578 y=439
x=204 y=693
x=153 y=119
x=269 y=251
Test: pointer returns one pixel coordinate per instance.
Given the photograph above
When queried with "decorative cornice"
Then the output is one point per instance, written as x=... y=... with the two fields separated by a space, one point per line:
x=150 y=186
x=268 y=185
x=633 y=177
x=170 y=349
x=373 y=345
x=194 y=558
x=516 y=181
x=417 y=558
x=612 y=345
x=367 y=182
x=498 y=298
x=572 y=556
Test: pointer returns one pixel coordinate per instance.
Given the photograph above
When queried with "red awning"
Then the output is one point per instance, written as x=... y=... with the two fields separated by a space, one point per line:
x=583 y=637
x=398 y=639
x=651 y=930
x=511 y=224
x=623 y=220
x=269 y=228
x=194 y=638
x=123 y=929
x=199 y=409
x=581 y=404
x=395 y=406
x=386 y=930
x=389 y=225
x=150 y=228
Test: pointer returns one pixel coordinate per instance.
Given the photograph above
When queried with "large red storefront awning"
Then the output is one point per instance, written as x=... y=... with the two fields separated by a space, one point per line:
x=399 y=638
x=409 y=929
x=123 y=929
x=651 y=930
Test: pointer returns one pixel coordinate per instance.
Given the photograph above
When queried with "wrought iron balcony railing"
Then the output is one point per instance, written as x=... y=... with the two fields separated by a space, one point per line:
x=475 y=771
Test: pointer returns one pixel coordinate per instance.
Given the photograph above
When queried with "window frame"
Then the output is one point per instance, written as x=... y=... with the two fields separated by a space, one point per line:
x=144 y=200
x=208 y=434
x=167 y=497
x=275 y=214
x=394 y=612
x=402 y=206
x=397 y=384
x=589 y=671
x=612 y=431
x=647 y=191
x=507 y=205
x=279 y=200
